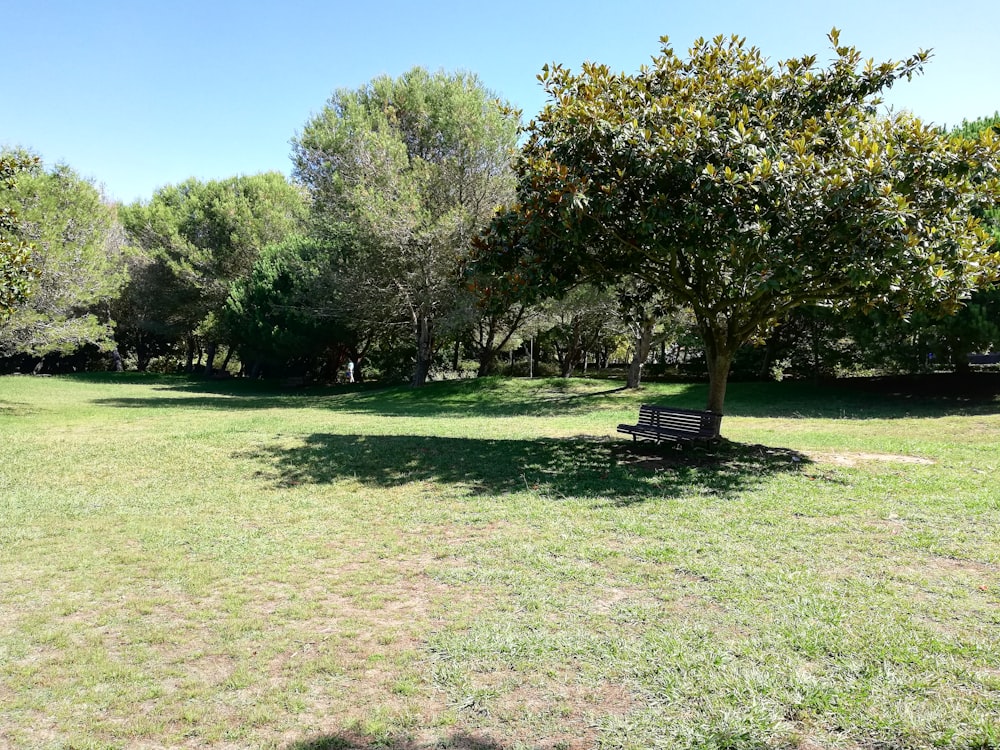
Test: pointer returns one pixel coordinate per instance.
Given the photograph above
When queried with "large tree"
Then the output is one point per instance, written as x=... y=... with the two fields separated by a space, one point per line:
x=16 y=270
x=744 y=190
x=284 y=316
x=209 y=234
x=403 y=173
x=77 y=248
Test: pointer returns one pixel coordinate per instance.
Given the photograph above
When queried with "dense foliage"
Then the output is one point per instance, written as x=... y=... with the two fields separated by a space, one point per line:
x=660 y=221
x=743 y=191
x=403 y=173
x=16 y=270
x=77 y=254
x=199 y=238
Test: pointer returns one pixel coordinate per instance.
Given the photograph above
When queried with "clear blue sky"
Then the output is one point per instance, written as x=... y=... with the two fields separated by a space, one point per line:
x=137 y=94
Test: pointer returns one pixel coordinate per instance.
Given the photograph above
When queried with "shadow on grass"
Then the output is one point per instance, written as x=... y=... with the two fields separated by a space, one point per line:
x=851 y=398
x=613 y=472
x=896 y=397
x=354 y=741
x=15 y=409
x=479 y=397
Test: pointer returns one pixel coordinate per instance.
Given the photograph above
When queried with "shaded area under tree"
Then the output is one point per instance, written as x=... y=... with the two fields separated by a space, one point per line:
x=599 y=468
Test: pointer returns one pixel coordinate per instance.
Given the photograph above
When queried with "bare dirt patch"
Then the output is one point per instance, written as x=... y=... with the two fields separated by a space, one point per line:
x=854 y=459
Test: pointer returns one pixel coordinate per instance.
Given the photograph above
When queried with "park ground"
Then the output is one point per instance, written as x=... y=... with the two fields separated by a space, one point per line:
x=487 y=565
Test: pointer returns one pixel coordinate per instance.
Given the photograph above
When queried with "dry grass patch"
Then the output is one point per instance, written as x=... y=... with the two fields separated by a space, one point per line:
x=856 y=458
x=462 y=567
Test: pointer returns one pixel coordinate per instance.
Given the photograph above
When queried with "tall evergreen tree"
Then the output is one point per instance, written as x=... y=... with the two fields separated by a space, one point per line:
x=403 y=172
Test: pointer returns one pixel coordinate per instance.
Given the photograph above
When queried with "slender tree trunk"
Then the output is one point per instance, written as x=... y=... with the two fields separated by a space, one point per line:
x=769 y=348
x=643 y=343
x=487 y=352
x=456 y=357
x=815 y=352
x=210 y=350
x=116 y=357
x=229 y=356
x=567 y=363
x=572 y=354
x=425 y=350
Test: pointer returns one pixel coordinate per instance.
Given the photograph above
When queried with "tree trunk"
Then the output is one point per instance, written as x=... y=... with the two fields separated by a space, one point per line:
x=566 y=365
x=765 y=365
x=229 y=356
x=643 y=343
x=486 y=358
x=425 y=350
x=116 y=357
x=718 y=377
x=210 y=350
x=815 y=352
x=719 y=357
x=572 y=354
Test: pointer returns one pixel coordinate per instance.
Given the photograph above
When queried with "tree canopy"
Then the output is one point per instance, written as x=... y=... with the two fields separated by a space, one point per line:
x=208 y=235
x=403 y=173
x=16 y=270
x=744 y=190
x=77 y=252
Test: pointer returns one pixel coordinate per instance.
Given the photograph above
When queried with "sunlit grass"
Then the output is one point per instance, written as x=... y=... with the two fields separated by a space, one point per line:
x=188 y=564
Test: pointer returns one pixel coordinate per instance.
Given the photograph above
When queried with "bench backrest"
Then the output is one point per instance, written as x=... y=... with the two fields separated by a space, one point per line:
x=701 y=423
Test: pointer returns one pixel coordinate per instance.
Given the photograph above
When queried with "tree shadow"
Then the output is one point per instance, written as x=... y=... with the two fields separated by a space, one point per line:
x=354 y=741
x=490 y=397
x=15 y=409
x=608 y=471
x=890 y=397
x=929 y=396
x=479 y=397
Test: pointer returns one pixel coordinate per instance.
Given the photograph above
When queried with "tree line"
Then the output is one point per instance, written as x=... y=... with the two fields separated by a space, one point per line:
x=709 y=213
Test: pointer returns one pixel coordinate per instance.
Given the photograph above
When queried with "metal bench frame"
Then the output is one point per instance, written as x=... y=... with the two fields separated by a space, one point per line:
x=679 y=425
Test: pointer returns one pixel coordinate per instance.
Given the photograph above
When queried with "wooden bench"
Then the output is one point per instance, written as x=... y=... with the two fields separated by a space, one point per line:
x=668 y=423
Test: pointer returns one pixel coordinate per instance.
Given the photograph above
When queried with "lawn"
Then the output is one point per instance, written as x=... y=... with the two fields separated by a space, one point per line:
x=486 y=565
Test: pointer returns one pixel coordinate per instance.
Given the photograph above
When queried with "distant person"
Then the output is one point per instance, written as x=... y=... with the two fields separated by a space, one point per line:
x=350 y=371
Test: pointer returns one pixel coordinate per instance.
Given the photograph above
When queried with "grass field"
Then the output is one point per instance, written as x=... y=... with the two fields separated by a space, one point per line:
x=486 y=565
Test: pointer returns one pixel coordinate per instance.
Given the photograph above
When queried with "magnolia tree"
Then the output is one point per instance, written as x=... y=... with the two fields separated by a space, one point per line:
x=743 y=190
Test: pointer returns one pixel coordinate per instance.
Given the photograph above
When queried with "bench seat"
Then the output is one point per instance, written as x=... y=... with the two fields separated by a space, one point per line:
x=668 y=423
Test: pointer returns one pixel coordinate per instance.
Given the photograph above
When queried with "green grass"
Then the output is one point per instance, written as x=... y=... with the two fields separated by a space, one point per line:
x=487 y=565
